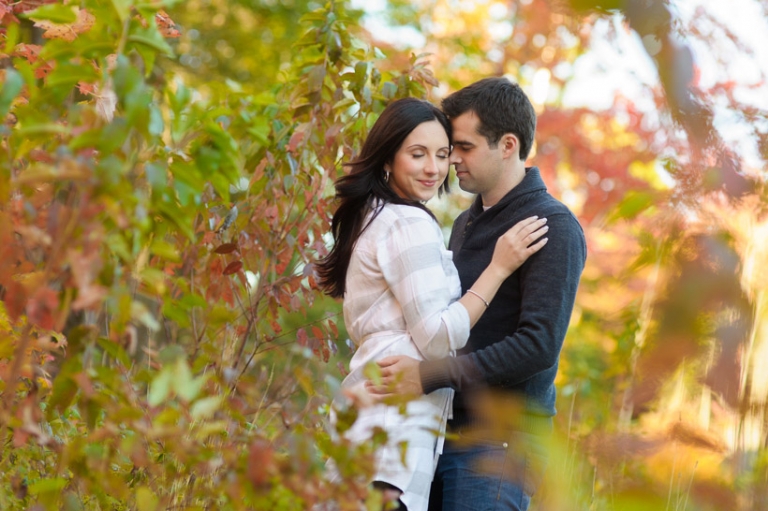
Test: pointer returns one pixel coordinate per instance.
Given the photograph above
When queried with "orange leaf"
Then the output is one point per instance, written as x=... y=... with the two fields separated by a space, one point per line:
x=27 y=51
x=333 y=327
x=67 y=31
x=260 y=463
x=41 y=307
x=165 y=25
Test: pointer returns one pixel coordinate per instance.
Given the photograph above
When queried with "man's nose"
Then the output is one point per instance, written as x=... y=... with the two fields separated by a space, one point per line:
x=454 y=158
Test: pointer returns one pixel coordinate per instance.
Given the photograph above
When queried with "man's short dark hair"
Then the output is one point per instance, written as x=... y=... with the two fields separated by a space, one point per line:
x=501 y=106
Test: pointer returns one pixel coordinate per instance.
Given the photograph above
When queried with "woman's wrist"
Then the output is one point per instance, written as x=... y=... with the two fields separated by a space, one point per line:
x=497 y=272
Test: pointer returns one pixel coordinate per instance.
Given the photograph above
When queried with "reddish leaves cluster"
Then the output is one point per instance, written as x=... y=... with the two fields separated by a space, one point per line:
x=166 y=25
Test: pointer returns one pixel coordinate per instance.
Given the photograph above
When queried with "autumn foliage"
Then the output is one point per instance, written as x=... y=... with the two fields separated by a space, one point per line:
x=163 y=344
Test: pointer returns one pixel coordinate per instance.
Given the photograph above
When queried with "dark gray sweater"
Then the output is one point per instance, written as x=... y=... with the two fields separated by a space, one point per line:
x=515 y=346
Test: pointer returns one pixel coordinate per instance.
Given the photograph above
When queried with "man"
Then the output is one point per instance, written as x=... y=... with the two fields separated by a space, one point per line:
x=504 y=377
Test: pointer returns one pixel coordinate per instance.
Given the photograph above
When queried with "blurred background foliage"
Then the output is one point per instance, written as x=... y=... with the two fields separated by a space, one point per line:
x=166 y=183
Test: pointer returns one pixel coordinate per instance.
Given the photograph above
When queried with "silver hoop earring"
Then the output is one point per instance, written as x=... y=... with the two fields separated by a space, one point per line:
x=386 y=177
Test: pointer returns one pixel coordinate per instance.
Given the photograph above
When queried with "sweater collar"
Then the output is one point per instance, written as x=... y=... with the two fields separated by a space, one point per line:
x=531 y=183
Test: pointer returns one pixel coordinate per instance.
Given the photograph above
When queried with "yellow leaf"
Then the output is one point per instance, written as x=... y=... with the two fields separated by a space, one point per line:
x=145 y=499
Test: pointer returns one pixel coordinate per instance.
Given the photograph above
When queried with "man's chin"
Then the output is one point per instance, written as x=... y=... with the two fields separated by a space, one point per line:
x=466 y=187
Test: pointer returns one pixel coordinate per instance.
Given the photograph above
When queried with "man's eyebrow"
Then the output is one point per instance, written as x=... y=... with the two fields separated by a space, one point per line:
x=463 y=143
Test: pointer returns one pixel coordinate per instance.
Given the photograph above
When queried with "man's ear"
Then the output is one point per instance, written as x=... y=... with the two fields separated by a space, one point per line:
x=510 y=145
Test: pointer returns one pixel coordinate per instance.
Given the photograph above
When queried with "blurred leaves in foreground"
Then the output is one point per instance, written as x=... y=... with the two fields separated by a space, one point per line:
x=165 y=186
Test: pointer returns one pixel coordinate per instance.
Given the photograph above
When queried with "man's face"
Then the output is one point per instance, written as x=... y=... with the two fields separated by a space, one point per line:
x=479 y=167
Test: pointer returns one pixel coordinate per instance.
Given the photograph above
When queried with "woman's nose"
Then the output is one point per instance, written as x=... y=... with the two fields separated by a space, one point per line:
x=431 y=166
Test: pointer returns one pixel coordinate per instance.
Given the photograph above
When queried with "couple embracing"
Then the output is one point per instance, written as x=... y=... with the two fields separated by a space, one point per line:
x=473 y=333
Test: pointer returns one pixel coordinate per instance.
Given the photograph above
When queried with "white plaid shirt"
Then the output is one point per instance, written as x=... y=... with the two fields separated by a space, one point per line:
x=401 y=293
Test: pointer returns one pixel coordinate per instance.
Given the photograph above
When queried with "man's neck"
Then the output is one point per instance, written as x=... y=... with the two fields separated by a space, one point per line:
x=512 y=179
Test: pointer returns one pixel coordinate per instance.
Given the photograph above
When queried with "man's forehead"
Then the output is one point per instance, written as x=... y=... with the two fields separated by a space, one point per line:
x=465 y=126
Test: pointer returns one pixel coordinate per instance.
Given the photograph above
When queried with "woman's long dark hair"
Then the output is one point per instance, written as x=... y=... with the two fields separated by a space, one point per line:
x=357 y=191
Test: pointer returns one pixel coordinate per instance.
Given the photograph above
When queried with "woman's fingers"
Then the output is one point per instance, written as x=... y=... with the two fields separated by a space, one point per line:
x=537 y=246
x=522 y=224
x=531 y=227
x=533 y=236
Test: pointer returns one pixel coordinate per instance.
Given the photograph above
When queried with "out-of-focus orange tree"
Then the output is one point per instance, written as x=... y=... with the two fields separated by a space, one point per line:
x=662 y=396
x=165 y=184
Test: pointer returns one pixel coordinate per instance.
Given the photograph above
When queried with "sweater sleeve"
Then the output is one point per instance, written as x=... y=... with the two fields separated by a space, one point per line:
x=411 y=258
x=548 y=282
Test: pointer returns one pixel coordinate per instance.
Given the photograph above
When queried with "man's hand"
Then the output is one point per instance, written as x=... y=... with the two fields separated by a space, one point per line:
x=399 y=378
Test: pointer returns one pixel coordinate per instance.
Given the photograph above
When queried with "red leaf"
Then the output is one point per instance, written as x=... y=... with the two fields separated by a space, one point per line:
x=301 y=337
x=296 y=139
x=317 y=332
x=27 y=51
x=331 y=134
x=226 y=248
x=260 y=463
x=232 y=267
x=15 y=299
x=41 y=307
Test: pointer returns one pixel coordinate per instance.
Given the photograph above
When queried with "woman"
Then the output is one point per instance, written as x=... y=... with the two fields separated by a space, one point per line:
x=401 y=291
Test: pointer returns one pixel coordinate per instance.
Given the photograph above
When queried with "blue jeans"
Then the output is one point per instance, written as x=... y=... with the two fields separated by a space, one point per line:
x=485 y=475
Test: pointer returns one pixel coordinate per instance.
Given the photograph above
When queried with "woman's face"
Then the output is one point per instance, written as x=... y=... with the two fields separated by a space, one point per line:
x=421 y=164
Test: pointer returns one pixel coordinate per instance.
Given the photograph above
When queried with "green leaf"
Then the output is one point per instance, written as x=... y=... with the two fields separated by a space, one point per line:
x=160 y=387
x=43 y=129
x=388 y=90
x=140 y=313
x=152 y=39
x=165 y=250
x=11 y=88
x=174 y=312
x=316 y=77
x=633 y=204
x=156 y=124
x=47 y=485
x=206 y=407
x=11 y=37
x=122 y=7
x=67 y=75
x=361 y=74
x=344 y=103
x=186 y=386
x=57 y=13
x=64 y=388
x=115 y=351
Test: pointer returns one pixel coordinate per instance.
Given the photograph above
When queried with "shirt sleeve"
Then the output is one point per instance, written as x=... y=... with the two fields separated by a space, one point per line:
x=411 y=261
